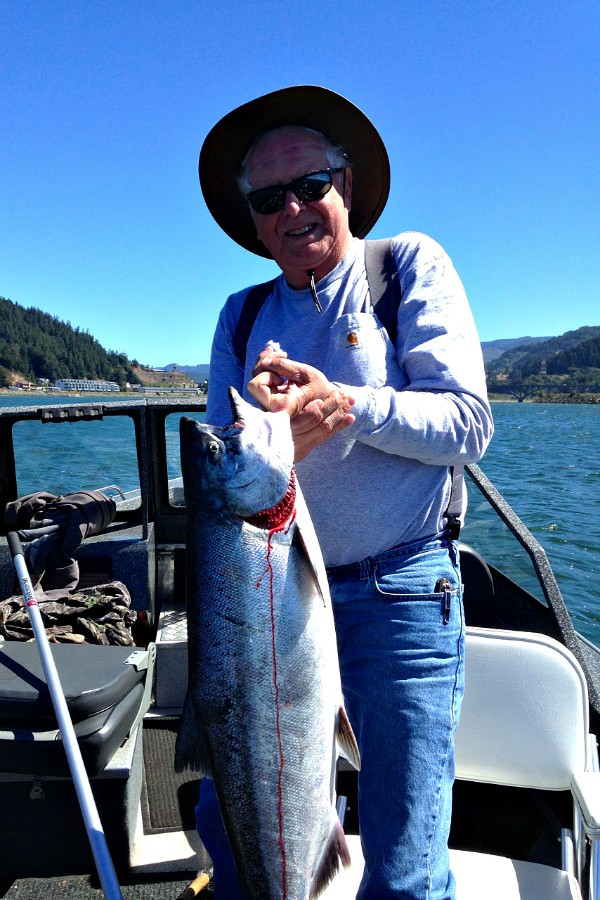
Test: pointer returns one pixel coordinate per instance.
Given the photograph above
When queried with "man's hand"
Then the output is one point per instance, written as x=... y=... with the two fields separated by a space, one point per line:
x=318 y=420
x=317 y=408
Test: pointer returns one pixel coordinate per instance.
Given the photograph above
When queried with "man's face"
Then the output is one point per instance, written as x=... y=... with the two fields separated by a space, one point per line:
x=301 y=236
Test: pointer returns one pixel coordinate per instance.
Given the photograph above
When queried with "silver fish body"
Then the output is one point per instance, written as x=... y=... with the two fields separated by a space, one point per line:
x=263 y=714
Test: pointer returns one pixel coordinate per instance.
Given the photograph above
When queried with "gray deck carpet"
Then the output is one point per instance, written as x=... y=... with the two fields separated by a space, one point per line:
x=168 y=801
x=81 y=887
x=169 y=797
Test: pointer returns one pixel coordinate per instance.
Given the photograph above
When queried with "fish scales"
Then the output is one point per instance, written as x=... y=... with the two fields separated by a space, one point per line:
x=263 y=707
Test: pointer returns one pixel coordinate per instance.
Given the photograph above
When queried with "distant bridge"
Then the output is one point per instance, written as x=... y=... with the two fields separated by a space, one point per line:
x=520 y=390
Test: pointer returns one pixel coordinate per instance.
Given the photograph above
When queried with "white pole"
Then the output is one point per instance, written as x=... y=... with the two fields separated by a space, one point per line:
x=93 y=826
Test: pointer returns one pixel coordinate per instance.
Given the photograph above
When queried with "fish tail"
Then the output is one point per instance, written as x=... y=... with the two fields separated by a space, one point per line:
x=190 y=750
x=335 y=851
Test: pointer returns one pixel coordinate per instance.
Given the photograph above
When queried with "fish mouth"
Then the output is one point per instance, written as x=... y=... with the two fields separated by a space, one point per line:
x=274 y=518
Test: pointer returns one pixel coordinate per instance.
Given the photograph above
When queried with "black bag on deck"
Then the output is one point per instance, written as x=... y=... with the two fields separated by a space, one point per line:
x=52 y=528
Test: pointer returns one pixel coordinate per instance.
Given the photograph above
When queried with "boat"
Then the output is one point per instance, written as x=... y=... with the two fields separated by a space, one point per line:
x=527 y=796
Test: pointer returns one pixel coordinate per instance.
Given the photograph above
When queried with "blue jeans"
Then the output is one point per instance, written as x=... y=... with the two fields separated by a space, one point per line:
x=401 y=650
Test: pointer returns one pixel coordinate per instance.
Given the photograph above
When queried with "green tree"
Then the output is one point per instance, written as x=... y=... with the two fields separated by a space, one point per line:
x=41 y=346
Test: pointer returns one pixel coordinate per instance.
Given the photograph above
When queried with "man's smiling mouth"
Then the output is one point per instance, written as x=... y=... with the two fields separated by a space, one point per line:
x=296 y=232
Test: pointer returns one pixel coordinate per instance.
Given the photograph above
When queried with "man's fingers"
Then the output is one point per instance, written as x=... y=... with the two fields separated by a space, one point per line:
x=310 y=381
x=292 y=385
x=264 y=387
x=306 y=441
x=266 y=358
x=286 y=368
x=330 y=410
x=317 y=409
x=308 y=418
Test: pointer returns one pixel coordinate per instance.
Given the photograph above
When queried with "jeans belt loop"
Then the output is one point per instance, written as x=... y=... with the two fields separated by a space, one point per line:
x=366 y=567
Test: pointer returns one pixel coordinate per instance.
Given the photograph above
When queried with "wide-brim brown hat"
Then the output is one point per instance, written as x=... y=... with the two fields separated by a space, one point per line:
x=311 y=106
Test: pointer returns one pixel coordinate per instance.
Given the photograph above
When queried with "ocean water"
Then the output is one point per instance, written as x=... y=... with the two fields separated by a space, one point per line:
x=544 y=459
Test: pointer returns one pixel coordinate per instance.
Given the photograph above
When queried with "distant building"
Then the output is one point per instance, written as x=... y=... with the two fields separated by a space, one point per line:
x=85 y=384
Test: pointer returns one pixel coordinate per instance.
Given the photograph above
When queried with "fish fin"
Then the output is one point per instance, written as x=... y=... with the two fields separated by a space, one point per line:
x=307 y=537
x=346 y=740
x=334 y=852
x=190 y=750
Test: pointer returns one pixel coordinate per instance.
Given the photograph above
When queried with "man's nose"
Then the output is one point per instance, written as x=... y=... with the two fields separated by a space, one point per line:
x=292 y=205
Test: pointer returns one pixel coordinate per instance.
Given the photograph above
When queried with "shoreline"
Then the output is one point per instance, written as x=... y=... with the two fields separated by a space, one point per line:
x=570 y=399
x=566 y=399
x=8 y=392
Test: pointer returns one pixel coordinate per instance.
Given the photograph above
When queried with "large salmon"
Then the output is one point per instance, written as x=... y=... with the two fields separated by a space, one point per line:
x=263 y=715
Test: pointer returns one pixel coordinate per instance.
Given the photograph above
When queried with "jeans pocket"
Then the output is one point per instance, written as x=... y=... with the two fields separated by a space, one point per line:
x=416 y=573
x=428 y=592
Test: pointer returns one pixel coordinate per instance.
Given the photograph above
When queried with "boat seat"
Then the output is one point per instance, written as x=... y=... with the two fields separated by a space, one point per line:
x=525 y=724
x=479 y=876
x=107 y=689
x=478 y=584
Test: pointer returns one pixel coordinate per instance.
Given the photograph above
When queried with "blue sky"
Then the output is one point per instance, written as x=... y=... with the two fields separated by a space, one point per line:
x=489 y=110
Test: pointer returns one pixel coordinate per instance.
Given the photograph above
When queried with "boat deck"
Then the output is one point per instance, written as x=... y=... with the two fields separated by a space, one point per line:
x=156 y=851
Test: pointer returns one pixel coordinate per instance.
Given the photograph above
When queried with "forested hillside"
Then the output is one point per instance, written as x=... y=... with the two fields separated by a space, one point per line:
x=492 y=350
x=584 y=356
x=573 y=351
x=37 y=345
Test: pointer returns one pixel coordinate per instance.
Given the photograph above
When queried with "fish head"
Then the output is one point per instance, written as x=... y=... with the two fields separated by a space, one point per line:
x=240 y=469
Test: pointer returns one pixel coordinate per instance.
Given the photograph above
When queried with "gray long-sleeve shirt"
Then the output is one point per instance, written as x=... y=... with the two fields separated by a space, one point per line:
x=421 y=404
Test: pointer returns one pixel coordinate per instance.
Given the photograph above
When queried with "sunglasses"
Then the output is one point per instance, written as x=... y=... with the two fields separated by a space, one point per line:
x=306 y=189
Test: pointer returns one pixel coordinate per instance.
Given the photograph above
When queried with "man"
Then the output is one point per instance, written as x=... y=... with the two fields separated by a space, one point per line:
x=379 y=426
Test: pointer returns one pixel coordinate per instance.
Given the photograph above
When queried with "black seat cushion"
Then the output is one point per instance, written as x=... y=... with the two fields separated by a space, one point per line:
x=103 y=694
x=93 y=678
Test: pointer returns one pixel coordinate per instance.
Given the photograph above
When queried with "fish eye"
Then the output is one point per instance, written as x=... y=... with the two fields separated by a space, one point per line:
x=214 y=448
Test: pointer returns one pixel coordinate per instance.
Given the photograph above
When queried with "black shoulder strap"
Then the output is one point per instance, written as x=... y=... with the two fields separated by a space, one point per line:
x=253 y=302
x=384 y=288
